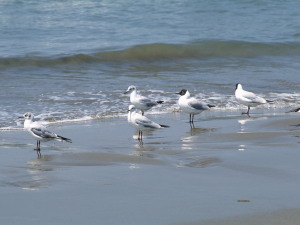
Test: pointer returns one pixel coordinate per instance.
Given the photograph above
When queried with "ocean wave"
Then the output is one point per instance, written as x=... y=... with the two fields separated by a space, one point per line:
x=202 y=50
x=161 y=51
x=61 y=112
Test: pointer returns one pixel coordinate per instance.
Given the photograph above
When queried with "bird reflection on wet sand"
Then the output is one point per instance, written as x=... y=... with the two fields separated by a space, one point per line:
x=33 y=176
x=193 y=137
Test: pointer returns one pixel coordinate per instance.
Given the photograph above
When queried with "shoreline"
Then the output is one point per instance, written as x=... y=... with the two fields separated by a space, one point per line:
x=229 y=166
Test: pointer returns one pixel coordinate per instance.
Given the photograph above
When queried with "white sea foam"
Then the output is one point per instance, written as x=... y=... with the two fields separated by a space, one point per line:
x=77 y=107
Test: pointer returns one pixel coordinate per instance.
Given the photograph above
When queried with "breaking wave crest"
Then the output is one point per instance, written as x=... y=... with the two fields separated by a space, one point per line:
x=160 y=51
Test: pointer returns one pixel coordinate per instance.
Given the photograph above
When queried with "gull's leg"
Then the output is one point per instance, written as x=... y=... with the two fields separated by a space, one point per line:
x=38 y=149
x=192 y=120
x=192 y=123
x=141 y=136
x=247 y=111
x=37 y=145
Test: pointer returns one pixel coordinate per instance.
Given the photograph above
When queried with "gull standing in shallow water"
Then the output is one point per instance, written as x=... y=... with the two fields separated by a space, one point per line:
x=248 y=98
x=39 y=132
x=191 y=105
x=140 y=102
x=141 y=122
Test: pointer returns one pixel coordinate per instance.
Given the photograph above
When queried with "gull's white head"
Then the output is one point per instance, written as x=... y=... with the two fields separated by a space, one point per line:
x=131 y=108
x=28 y=116
x=238 y=86
x=130 y=89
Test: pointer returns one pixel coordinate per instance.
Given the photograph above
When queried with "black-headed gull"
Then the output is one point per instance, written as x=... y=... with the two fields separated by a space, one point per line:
x=39 y=132
x=248 y=98
x=141 y=122
x=191 y=105
x=140 y=102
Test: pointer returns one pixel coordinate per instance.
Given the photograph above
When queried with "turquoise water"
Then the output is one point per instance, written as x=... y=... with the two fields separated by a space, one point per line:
x=72 y=60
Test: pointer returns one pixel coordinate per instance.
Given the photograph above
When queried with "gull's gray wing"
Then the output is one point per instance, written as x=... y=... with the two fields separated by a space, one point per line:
x=251 y=97
x=145 y=122
x=147 y=101
x=43 y=133
x=198 y=105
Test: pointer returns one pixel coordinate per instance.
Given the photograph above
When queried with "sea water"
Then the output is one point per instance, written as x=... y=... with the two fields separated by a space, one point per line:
x=72 y=60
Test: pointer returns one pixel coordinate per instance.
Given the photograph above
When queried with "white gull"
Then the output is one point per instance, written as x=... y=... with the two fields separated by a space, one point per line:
x=248 y=98
x=39 y=132
x=141 y=122
x=191 y=105
x=140 y=102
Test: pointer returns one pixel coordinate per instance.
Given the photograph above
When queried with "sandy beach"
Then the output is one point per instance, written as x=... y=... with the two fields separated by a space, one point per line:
x=230 y=169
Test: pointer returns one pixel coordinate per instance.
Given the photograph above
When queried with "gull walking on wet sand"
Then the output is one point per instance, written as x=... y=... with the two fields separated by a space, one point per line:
x=191 y=105
x=248 y=98
x=141 y=122
x=140 y=102
x=39 y=132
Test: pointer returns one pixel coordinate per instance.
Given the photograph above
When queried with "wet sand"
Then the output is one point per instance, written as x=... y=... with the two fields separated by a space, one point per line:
x=230 y=169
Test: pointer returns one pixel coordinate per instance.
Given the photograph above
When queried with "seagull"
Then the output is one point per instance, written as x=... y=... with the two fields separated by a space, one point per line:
x=191 y=105
x=141 y=122
x=140 y=102
x=248 y=98
x=39 y=132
